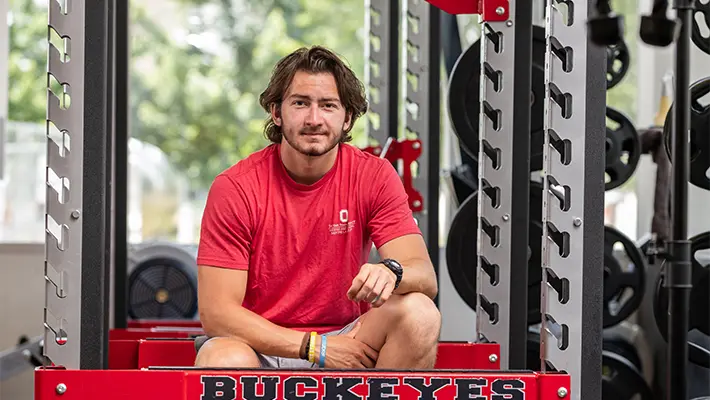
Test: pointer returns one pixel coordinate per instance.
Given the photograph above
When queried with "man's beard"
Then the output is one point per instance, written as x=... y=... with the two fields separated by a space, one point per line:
x=308 y=149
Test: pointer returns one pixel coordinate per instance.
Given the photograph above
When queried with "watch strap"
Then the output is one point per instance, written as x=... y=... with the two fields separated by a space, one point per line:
x=396 y=268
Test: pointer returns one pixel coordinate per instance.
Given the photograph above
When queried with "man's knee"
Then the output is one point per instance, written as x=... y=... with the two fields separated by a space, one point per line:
x=417 y=309
x=226 y=353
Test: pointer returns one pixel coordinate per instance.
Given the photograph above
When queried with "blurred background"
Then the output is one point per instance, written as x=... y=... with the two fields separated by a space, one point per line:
x=197 y=69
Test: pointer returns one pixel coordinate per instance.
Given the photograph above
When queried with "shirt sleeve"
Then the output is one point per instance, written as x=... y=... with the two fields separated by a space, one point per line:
x=226 y=231
x=390 y=215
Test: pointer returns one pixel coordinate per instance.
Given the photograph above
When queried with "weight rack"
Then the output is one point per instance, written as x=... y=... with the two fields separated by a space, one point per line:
x=79 y=228
x=573 y=177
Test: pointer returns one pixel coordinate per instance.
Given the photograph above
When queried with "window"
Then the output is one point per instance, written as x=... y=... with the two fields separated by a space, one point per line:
x=197 y=69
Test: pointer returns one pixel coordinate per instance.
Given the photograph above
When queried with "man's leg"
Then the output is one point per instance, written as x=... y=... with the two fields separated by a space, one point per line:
x=232 y=353
x=225 y=353
x=405 y=330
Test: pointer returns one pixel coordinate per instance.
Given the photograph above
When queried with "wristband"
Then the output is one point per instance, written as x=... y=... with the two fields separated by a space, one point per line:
x=321 y=361
x=303 y=350
x=312 y=348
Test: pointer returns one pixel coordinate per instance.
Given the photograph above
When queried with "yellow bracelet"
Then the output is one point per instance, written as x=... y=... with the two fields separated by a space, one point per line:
x=312 y=348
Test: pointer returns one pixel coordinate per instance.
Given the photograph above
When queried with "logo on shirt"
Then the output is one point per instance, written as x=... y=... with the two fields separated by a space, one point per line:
x=343 y=216
x=342 y=227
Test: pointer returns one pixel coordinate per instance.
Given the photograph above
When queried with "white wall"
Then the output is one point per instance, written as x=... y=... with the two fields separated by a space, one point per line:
x=21 y=307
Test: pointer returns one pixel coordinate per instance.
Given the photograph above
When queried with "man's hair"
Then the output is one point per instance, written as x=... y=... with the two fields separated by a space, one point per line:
x=313 y=60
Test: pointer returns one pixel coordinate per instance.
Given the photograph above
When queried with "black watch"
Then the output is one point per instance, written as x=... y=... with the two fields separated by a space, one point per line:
x=395 y=267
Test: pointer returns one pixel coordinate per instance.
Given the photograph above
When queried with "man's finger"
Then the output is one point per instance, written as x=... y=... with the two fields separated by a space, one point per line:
x=371 y=353
x=374 y=296
x=355 y=329
x=368 y=291
x=385 y=295
x=367 y=363
x=358 y=281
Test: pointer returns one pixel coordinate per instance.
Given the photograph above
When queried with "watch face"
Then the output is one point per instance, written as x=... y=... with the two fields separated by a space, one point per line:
x=394 y=264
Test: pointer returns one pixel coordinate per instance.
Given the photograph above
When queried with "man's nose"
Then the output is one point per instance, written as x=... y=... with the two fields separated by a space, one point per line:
x=314 y=116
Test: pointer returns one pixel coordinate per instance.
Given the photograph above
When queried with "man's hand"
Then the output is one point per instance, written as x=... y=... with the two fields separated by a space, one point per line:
x=346 y=352
x=374 y=284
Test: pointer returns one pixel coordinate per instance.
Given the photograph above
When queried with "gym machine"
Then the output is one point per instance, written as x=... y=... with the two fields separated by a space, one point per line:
x=80 y=230
x=76 y=317
x=620 y=362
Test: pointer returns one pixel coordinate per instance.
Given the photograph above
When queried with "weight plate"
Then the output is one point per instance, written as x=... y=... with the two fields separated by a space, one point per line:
x=699 y=134
x=461 y=248
x=625 y=349
x=464 y=93
x=623 y=149
x=699 y=313
x=463 y=181
x=621 y=380
x=617 y=63
x=703 y=42
x=620 y=280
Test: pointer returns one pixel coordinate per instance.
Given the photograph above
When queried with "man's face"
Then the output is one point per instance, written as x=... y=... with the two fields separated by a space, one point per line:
x=311 y=117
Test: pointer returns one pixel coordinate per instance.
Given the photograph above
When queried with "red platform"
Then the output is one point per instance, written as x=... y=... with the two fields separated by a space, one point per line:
x=171 y=329
x=162 y=323
x=194 y=384
x=144 y=353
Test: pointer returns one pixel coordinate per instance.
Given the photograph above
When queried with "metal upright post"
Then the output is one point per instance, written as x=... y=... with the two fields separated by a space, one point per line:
x=76 y=268
x=504 y=179
x=120 y=158
x=422 y=54
x=382 y=69
x=679 y=276
x=573 y=201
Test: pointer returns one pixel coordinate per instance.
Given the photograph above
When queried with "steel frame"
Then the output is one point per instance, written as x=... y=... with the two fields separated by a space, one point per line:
x=421 y=47
x=79 y=250
x=504 y=179
x=78 y=167
x=573 y=201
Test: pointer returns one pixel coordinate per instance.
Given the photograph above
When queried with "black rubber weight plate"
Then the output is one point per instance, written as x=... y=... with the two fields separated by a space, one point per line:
x=617 y=64
x=702 y=11
x=699 y=134
x=623 y=149
x=461 y=248
x=620 y=280
x=464 y=93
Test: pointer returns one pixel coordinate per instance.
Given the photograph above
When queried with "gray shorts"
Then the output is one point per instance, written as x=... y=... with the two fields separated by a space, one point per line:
x=281 y=362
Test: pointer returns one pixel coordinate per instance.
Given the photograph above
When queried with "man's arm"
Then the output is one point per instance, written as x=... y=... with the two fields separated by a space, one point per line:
x=397 y=236
x=223 y=257
x=221 y=292
x=411 y=252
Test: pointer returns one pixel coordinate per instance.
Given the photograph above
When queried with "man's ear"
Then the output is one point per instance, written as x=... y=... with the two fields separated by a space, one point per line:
x=347 y=122
x=276 y=113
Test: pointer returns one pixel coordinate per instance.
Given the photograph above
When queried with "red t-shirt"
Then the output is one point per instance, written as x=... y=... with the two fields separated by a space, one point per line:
x=303 y=244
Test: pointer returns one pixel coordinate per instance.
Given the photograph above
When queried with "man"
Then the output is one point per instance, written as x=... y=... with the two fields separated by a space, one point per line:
x=286 y=233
